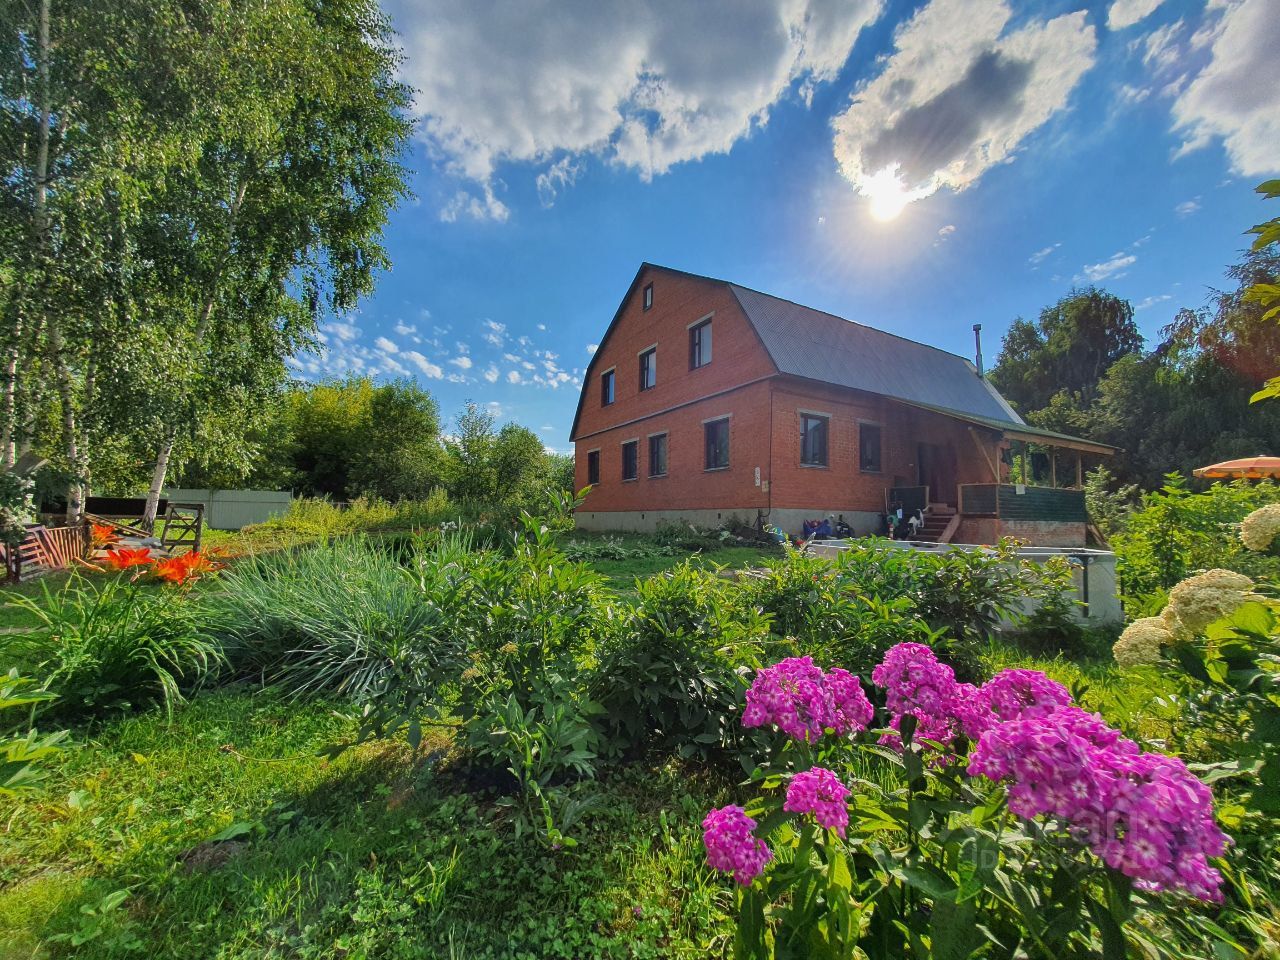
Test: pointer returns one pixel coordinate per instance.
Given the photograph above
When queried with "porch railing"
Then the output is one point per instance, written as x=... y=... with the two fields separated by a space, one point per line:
x=1003 y=500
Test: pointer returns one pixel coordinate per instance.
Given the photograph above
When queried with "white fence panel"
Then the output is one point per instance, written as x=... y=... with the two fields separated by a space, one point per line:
x=233 y=509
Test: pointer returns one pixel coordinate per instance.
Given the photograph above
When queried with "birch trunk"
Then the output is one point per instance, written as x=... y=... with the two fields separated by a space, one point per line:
x=165 y=449
x=9 y=437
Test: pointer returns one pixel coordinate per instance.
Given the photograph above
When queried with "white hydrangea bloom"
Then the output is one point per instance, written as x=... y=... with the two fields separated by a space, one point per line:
x=1141 y=642
x=1260 y=528
x=1200 y=600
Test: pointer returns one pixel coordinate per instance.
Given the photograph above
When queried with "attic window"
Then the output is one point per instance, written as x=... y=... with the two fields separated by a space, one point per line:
x=648 y=296
x=699 y=344
x=606 y=388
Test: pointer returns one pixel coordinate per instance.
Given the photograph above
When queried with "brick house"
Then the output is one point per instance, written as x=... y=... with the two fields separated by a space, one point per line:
x=709 y=402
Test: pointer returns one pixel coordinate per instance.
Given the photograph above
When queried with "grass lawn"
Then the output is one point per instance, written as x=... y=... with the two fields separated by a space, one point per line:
x=622 y=574
x=367 y=856
x=13 y=616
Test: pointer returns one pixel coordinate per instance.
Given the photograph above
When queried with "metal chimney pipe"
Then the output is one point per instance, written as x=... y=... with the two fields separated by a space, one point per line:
x=977 y=344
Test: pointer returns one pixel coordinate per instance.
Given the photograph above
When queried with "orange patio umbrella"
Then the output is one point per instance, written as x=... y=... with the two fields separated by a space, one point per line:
x=1249 y=468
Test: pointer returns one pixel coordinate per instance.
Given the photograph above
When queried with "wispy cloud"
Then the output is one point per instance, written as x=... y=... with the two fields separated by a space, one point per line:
x=1115 y=267
x=1043 y=254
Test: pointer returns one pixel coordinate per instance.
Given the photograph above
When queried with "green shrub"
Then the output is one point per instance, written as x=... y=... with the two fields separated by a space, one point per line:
x=23 y=749
x=827 y=605
x=342 y=617
x=1177 y=532
x=113 y=643
x=674 y=673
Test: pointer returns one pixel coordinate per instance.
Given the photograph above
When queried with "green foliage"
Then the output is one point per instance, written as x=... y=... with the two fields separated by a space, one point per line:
x=343 y=617
x=1266 y=292
x=111 y=644
x=15 y=508
x=1177 y=532
x=23 y=752
x=853 y=607
x=352 y=438
x=318 y=518
x=676 y=669
x=1068 y=350
x=1108 y=505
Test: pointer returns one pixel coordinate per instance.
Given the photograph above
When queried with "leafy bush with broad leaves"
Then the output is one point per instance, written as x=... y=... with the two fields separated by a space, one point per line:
x=112 y=643
x=855 y=605
x=678 y=663
x=1177 y=532
x=23 y=749
x=15 y=507
x=998 y=821
x=526 y=625
x=343 y=617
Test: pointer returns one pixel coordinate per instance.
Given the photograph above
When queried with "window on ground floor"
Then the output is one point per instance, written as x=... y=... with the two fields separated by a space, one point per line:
x=716 y=433
x=869 y=447
x=658 y=455
x=593 y=467
x=814 y=430
x=630 y=459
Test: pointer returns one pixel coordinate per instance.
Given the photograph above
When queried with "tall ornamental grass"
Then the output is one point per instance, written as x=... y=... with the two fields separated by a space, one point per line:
x=343 y=617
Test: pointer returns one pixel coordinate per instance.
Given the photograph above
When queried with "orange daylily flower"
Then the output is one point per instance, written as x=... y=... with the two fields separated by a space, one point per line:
x=122 y=558
x=102 y=535
x=185 y=568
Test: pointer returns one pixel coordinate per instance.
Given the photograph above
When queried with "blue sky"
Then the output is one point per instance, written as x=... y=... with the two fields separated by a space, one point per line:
x=1023 y=151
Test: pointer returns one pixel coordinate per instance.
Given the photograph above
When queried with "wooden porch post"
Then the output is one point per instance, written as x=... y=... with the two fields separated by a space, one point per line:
x=1079 y=470
x=1053 y=467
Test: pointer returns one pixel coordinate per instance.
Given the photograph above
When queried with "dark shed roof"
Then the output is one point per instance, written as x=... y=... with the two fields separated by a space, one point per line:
x=808 y=343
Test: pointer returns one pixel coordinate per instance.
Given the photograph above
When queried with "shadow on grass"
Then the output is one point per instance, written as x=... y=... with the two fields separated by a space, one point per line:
x=386 y=859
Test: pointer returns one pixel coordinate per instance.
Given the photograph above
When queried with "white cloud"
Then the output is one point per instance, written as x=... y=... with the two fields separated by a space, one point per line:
x=542 y=327
x=1121 y=261
x=405 y=329
x=563 y=173
x=493 y=408
x=1234 y=96
x=343 y=331
x=484 y=207
x=497 y=333
x=1044 y=253
x=1187 y=207
x=944 y=232
x=641 y=85
x=428 y=368
x=958 y=95
x=491 y=374
x=1151 y=301
x=513 y=376
x=462 y=363
x=1125 y=13
x=385 y=345
x=592 y=347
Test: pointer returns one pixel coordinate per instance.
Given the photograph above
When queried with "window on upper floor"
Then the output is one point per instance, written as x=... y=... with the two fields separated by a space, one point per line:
x=658 y=455
x=630 y=459
x=700 y=345
x=716 y=434
x=649 y=368
x=869 y=447
x=814 y=430
x=648 y=296
x=593 y=467
x=606 y=388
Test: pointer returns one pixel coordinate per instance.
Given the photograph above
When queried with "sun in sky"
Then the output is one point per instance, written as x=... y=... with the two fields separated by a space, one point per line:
x=889 y=196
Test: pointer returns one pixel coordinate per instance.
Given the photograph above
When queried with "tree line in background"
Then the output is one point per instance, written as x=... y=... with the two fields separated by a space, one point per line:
x=1083 y=369
x=351 y=438
x=188 y=189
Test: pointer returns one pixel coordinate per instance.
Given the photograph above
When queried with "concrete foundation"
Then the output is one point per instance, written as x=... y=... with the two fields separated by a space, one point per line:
x=792 y=521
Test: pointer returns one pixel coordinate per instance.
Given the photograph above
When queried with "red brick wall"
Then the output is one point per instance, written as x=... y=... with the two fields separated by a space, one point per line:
x=687 y=485
x=737 y=359
x=842 y=482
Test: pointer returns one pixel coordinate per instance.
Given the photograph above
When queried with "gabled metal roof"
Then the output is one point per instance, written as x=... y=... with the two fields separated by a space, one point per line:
x=819 y=346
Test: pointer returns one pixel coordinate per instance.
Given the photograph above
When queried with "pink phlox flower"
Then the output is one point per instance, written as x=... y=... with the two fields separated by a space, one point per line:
x=1012 y=694
x=820 y=792
x=731 y=845
x=1143 y=814
x=803 y=702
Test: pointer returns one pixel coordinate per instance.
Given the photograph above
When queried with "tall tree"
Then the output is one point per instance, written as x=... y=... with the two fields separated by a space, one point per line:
x=282 y=214
x=1068 y=349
